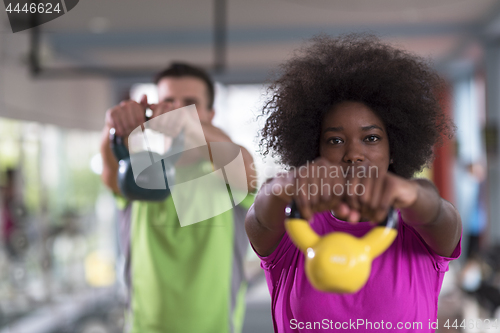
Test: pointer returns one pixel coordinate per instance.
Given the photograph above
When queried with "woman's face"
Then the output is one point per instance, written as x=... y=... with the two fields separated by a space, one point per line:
x=352 y=133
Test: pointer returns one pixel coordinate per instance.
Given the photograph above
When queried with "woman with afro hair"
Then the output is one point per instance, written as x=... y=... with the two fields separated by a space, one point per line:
x=355 y=102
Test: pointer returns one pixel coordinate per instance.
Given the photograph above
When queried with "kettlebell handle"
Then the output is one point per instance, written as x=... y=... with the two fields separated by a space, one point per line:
x=118 y=143
x=149 y=183
x=292 y=212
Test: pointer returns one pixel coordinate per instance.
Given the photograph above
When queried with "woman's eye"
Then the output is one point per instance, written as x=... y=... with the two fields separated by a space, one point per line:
x=335 y=141
x=372 y=138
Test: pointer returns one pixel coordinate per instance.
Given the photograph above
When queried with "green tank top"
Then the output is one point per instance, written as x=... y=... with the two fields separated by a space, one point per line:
x=188 y=279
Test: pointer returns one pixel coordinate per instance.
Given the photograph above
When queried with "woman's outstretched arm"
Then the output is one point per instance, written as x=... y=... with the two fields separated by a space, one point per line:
x=264 y=222
x=434 y=218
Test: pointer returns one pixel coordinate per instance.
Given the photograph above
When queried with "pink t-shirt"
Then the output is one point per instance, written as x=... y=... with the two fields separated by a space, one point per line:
x=401 y=293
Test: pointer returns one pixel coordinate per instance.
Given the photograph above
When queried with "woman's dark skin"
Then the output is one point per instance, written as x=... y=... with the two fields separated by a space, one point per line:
x=353 y=135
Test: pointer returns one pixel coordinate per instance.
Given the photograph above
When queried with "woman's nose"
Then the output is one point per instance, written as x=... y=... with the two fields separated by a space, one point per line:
x=353 y=153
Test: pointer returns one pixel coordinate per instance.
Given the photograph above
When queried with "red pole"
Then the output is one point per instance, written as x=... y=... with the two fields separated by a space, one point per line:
x=442 y=167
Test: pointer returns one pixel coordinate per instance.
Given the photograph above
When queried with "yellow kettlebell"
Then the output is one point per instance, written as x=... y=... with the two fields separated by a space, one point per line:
x=339 y=262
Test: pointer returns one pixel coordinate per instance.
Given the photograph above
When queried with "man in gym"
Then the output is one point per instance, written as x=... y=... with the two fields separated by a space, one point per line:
x=190 y=278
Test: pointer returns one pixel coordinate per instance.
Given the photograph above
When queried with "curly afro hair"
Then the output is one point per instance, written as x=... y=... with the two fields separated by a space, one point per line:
x=399 y=87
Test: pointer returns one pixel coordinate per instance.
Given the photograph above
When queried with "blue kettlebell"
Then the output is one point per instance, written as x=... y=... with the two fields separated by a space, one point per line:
x=151 y=183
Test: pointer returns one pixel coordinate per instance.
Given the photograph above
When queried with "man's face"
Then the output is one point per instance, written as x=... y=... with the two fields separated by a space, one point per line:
x=185 y=91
